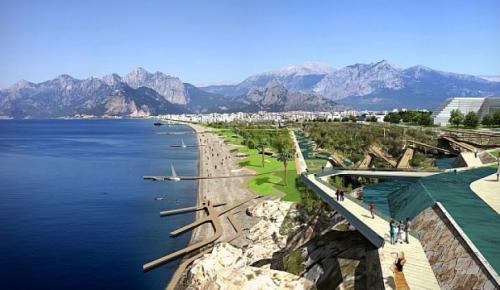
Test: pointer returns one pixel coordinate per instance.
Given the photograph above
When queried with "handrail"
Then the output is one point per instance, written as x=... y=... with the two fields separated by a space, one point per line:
x=353 y=199
x=364 y=229
x=334 y=169
x=363 y=204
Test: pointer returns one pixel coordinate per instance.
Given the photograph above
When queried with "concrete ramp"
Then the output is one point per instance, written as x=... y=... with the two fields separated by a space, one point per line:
x=379 y=153
x=458 y=145
x=365 y=163
x=404 y=161
x=470 y=159
x=417 y=144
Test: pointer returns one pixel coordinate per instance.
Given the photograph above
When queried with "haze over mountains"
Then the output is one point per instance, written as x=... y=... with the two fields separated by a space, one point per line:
x=297 y=87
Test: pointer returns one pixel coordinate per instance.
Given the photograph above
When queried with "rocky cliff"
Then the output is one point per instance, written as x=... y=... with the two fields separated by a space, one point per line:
x=291 y=247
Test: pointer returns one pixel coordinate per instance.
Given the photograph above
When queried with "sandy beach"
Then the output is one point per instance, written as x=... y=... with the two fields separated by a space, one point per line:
x=216 y=160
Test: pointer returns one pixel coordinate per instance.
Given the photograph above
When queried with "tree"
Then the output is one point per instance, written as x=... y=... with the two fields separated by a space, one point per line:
x=372 y=119
x=487 y=120
x=262 y=145
x=496 y=118
x=471 y=120
x=456 y=118
x=284 y=156
x=425 y=119
x=394 y=118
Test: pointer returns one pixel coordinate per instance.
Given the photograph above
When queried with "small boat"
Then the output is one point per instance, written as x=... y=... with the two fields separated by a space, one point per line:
x=159 y=198
x=158 y=124
x=183 y=145
x=174 y=176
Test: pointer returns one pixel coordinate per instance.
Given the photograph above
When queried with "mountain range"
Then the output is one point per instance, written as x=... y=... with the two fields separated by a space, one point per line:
x=308 y=87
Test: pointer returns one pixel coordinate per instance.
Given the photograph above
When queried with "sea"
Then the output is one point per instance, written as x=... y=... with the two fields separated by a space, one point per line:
x=75 y=212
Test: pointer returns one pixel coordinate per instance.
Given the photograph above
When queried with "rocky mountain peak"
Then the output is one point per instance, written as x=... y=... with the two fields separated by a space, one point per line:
x=64 y=78
x=171 y=88
x=308 y=68
x=112 y=79
x=22 y=84
x=137 y=77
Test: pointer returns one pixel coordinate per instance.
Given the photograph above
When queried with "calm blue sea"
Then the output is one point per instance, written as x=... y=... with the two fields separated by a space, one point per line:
x=74 y=210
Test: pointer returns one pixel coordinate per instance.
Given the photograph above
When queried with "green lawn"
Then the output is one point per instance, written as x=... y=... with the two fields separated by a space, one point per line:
x=271 y=177
x=495 y=153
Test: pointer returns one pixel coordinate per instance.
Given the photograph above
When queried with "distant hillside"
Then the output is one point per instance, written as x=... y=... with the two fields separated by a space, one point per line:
x=371 y=86
x=314 y=87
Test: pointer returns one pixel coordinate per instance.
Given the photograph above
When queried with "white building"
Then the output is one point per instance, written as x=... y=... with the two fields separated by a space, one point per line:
x=482 y=106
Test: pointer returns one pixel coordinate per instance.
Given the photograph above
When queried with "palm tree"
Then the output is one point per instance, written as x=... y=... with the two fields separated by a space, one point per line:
x=284 y=156
x=262 y=145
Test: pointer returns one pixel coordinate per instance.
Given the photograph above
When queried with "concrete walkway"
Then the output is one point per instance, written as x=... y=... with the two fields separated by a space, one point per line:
x=470 y=159
x=378 y=173
x=488 y=189
x=300 y=163
x=417 y=271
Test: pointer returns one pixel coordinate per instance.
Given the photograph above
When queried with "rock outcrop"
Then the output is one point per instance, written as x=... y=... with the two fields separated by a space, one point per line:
x=228 y=267
x=291 y=247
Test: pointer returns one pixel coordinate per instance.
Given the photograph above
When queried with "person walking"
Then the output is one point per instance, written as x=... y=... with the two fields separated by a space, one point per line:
x=337 y=194
x=372 y=208
x=407 y=230
x=341 y=195
x=322 y=168
x=498 y=173
x=392 y=231
x=400 y=232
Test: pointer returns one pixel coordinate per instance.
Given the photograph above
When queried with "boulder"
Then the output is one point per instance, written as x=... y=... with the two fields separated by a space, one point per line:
x=225 y=268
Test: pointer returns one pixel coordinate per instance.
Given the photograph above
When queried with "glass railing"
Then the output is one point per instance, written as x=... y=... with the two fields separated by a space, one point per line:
x=331 y=170
x=379 y=213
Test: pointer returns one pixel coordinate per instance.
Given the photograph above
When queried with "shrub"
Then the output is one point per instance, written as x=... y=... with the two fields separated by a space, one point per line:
x=471 y=120
x=496 y=118
x=487 y=120
x=425 y=119
x=394 y=118
x=456 y=118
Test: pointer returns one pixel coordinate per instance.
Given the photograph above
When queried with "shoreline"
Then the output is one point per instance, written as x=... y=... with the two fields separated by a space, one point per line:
x=215 y=158
x=195 y=235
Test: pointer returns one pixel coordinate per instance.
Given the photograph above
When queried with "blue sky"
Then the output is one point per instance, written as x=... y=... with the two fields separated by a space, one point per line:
x=205 y=41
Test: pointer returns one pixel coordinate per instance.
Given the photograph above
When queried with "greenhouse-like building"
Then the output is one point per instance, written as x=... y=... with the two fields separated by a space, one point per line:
x=481 y=106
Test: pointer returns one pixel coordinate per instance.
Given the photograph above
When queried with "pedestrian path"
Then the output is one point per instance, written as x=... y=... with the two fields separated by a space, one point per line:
x=417 y=270
x=471 y=159
x=488 y=189
x=300 y=163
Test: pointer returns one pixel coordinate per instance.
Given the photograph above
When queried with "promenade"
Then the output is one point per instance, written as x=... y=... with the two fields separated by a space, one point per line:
x=417 y=270
x=488 y=189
